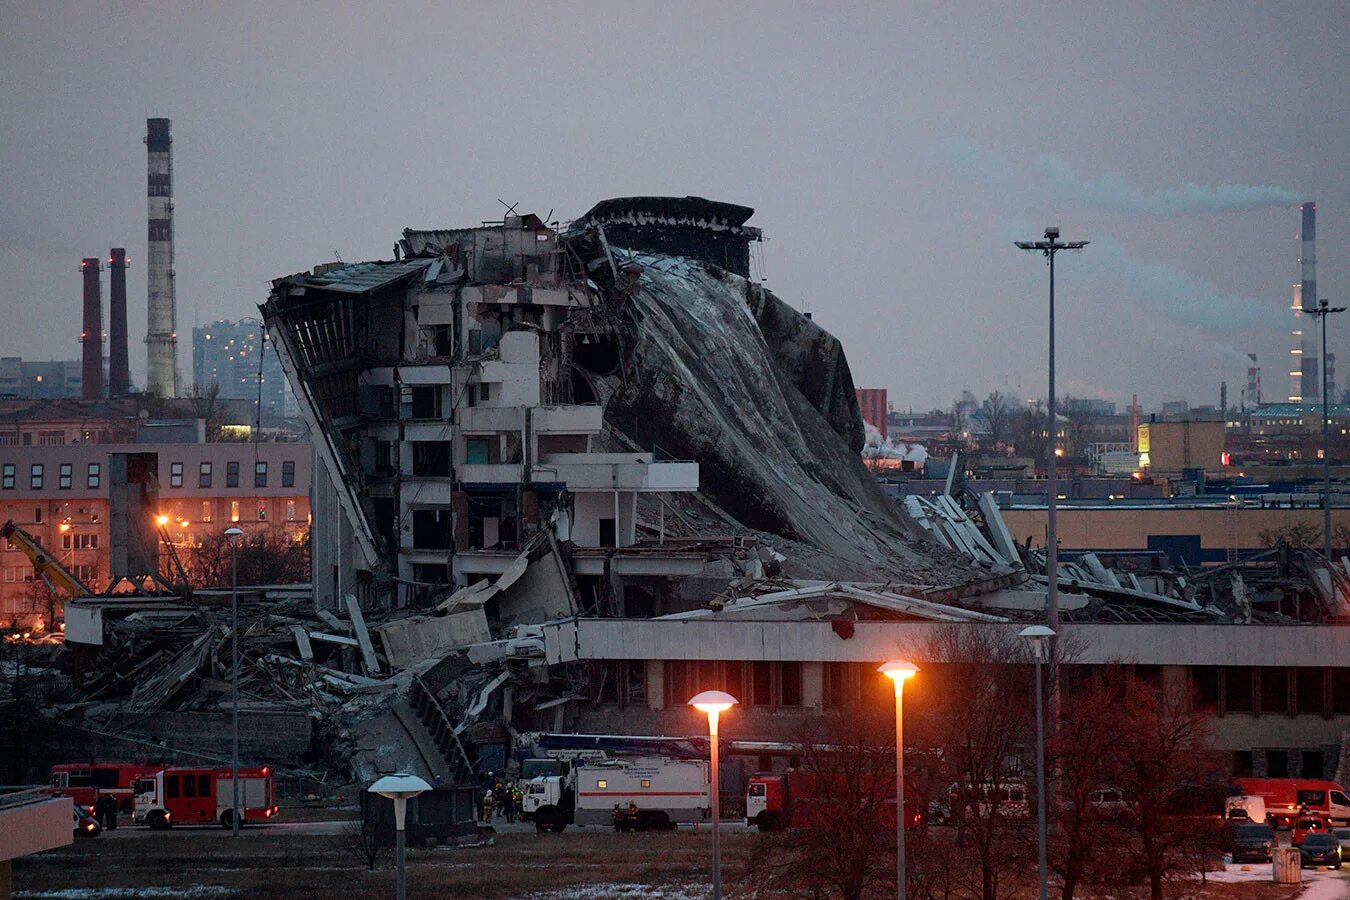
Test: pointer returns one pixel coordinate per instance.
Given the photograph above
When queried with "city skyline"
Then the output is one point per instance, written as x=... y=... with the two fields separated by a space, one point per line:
x=892 y=158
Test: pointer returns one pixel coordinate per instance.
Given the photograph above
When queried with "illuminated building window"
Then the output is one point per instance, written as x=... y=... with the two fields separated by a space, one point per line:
x=35 y=477
x=290 y=510
x=206 y=510
x=92 y=475
x=234 y=510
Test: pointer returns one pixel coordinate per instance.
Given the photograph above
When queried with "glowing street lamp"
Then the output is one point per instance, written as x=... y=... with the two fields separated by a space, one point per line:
x=1040 y=637
x=714 y=703
x=161 y=521
x=400 y=787
x=898 y=670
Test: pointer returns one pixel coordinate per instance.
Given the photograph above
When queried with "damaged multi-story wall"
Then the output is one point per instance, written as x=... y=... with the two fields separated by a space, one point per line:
x=515 y=383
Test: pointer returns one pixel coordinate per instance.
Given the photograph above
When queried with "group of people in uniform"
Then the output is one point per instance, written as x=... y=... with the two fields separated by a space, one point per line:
x=502 y=799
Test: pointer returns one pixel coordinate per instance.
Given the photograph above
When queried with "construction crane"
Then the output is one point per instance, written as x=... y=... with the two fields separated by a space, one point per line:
x=56 y=576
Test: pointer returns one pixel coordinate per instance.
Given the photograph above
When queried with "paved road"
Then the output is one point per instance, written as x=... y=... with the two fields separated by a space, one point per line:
x=131 y=832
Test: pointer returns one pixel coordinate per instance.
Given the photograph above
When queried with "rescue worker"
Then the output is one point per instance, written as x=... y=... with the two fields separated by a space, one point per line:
x=487 y=806
x=105 y=810
x=518 y=801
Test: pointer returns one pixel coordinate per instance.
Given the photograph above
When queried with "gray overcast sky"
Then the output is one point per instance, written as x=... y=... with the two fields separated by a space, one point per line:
x=892 y=152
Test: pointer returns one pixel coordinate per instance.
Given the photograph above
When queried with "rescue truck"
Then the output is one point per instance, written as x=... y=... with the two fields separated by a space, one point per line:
x=647 y=794
x=84 y=783
x=1285 y=797
x=198 y=796
x=778 y=800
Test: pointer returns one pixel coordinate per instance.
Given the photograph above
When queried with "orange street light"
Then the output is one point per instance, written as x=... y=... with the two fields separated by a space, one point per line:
x=161 y=521
x=714 y=703
x=899 y=671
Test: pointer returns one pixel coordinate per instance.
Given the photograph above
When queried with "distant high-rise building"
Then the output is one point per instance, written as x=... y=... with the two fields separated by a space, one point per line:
x=40 y=380
x=1303 y=363
x=231 y=355
x=872 y=403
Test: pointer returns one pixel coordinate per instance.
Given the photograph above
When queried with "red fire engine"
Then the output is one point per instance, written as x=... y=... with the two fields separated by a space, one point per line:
x=86 y=782
x=775 y=800
x=195 y=796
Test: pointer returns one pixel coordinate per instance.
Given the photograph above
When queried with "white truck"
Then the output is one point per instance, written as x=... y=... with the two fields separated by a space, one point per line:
x=644 y=794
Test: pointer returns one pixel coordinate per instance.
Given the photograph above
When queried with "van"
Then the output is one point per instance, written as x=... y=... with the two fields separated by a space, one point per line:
x=1245 y=806
x=1284 y=797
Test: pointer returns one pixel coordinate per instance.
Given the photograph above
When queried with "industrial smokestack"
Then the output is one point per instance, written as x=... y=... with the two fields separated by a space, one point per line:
x=1303 y=372
x=91 y=337
x=161 y=307
x=119 y=367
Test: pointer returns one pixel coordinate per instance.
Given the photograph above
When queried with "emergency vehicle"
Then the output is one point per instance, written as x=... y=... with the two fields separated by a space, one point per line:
x=197 y=796
x=1285 y=797
x=778 y=800
x=84 y=783
x=653 y=793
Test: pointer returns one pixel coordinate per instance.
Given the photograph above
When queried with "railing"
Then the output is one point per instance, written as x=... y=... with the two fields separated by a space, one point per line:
x=25 y=797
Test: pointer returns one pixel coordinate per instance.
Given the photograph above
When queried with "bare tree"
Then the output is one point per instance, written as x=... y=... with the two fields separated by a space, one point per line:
x=1298 y=535
x=1085 y=759
x=264 y=557
x=1168 y=768
x=840 y=812
x=360 y=838
x=997 y=412
x=981 y=720
x=1077 y=418
x=1029 y=432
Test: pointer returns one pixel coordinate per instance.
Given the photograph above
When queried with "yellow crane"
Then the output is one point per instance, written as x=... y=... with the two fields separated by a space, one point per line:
x=45 y=565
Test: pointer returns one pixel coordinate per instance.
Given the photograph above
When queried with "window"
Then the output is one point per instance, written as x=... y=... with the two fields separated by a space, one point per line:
x=189 y=786
x=602 y=784
x=71 y=541
x=67 y=472
x=232 y=474
x=35 y=477
x=1277 y=764
x=260 y=474
x=37 y=514
x=646 y=782
x=87 y=573
x=206 y=510
x=1238 y=689
x=204 y=475
x=1274 y=690
x=176 y=474
x=761 y=684
x=8 y=476
x=234 y=510
x=92 y=475
x=204 y=787
x=290 y=510
x=790 y=693
x=171 y=787
x=1308 y=690
x=288 y=473
x=484 y=392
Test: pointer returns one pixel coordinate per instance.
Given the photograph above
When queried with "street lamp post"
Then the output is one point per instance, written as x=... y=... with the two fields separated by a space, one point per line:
x=1039 y=636
x=233 y=535
x=898 y=671
x=1049 y=247
x=1322 y=310
x=714 y=703
x=400 y=787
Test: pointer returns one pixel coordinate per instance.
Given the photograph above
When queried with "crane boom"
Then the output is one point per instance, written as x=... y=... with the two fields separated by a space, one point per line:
x=44 y=564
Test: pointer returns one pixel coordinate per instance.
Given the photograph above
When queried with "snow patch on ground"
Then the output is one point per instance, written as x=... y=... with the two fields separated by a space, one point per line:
x=628 y=891
x=1329 y=885
x=149 y=893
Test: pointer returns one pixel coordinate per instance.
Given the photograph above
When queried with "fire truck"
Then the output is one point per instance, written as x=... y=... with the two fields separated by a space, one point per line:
x=198 y=796
x=84 y=783
x=778 y=800
x=644 y=794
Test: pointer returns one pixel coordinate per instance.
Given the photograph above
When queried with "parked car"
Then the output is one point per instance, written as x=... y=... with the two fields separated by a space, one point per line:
x=1306 y=825
x=1320 y=849
x=1245 y=807
x=1342 y=836
x=85 y=824
x=1251 y=842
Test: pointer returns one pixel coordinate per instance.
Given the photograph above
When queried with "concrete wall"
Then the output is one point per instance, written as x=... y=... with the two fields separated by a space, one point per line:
x=1126 y=528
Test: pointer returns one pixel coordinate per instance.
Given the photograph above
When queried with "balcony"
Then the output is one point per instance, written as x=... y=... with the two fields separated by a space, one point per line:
x=489 y=473
x=491 y=419
x=569 y=419
x=617 y=471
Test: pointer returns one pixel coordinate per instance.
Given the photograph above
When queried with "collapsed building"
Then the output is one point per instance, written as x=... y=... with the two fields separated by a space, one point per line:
x=568 y=475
